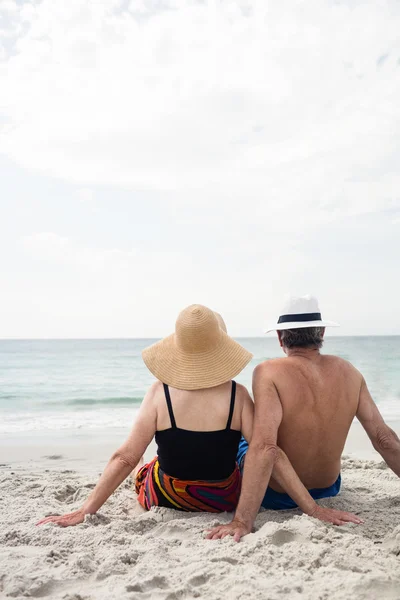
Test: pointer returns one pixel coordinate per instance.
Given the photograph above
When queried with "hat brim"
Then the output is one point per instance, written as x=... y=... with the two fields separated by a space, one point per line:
x=301 y=325
x=194 y=371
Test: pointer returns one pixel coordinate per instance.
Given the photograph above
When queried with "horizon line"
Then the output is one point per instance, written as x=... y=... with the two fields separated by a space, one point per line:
x=98 y=339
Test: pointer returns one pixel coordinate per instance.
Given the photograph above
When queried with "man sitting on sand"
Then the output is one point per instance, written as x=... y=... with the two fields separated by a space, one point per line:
x=306 y=403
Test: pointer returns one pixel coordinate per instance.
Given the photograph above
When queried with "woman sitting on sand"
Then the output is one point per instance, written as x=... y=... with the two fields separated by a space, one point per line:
x=197 y=415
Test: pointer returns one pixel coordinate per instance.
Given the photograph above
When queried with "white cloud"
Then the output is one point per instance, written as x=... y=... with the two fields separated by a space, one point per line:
x=85 y=195
x=138 y=291
x=282 y=106
x=258 y=143
x=96 y=291
x=53 y=248
x=111 y=262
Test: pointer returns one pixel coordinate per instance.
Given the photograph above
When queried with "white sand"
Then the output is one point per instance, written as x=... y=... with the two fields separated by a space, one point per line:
x=125 y=553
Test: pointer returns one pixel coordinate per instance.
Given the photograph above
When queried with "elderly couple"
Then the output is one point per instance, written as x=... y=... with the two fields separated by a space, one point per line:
x=217 y=450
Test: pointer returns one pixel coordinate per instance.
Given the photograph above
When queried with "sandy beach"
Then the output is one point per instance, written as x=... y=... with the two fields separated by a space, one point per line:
x=125 y=553
x=178 y=178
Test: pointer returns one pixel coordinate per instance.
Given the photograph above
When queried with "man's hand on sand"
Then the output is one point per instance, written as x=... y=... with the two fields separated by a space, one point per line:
x=65 y=520
x=336 y=517
x=236 y=528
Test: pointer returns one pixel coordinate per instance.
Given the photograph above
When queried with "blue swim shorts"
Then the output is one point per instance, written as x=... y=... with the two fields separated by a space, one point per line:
x=277 y=501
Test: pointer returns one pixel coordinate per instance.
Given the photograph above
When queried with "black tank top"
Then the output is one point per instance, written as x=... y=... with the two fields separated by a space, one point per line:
x=198 y=455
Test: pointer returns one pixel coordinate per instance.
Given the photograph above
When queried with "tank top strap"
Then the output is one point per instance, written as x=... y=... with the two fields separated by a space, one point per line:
x=232 y=406
x=169 y=404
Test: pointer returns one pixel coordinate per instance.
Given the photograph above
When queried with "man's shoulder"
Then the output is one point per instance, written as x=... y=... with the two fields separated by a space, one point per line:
x=284 y=364
x=338 y=361
x=270 y=366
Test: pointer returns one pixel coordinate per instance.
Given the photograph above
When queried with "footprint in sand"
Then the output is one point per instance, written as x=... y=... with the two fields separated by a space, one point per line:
x=172 y=532
x=199 y=580
x=53 y=456
x=65 y=494
x=57 y=556
x=378 y=587
x=283 y=536
x=129 y=558
x=141 y=525
x=227 y=559
x=20 y=585
x=148 y=585
x=16 y=538
x=392 y=541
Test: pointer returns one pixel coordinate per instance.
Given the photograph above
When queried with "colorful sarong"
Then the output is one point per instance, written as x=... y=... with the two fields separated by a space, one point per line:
x=156 y=488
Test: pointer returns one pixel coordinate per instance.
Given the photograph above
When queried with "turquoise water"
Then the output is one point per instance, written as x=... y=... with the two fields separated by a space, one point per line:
x=88 y=385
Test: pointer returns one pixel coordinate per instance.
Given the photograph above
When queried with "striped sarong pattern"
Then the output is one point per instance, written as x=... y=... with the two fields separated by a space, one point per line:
x=156 y=488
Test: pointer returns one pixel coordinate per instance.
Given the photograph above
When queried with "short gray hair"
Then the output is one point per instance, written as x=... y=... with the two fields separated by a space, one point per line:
x=308 y=337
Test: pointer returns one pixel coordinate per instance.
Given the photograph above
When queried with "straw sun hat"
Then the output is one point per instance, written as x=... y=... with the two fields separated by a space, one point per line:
x=221 y=322
x=199 y=354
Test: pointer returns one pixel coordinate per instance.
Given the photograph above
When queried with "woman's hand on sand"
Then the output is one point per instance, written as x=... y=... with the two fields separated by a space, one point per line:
x=336 y=517
x=67 y=520
x=237 y=529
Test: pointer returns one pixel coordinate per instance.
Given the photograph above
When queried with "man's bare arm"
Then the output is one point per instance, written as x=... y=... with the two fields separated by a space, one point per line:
x=260 y=457
x=262 y=452
x=384 y=440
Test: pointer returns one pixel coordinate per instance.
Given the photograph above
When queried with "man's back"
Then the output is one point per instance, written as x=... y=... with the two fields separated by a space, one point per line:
x=304 y=405
x=319 y=396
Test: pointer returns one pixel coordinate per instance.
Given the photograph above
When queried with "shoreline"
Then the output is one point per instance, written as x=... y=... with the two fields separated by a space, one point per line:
x=90 y=451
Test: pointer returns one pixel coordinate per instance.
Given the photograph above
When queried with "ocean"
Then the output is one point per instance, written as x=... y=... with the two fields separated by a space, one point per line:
x=65 y=386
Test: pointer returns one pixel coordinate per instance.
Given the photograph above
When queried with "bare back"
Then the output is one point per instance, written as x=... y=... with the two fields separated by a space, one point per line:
x=205 y=409
x=319 y=397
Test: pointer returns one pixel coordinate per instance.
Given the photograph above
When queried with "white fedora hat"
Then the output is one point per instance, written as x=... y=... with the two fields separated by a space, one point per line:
x=300 y=312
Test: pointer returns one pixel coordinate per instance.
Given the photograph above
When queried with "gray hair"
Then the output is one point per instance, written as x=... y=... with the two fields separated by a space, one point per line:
x=308 y=337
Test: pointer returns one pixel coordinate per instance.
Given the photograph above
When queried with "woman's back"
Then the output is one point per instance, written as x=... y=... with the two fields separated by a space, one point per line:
x=199 y=410
x=196 y=437
x=197 y=433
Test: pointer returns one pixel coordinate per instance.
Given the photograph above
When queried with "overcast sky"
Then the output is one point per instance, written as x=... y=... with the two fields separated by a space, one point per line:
x=158 y=153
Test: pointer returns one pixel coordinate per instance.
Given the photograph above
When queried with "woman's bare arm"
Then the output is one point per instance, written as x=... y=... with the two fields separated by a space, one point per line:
x=286 y=476
x=120 y=465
